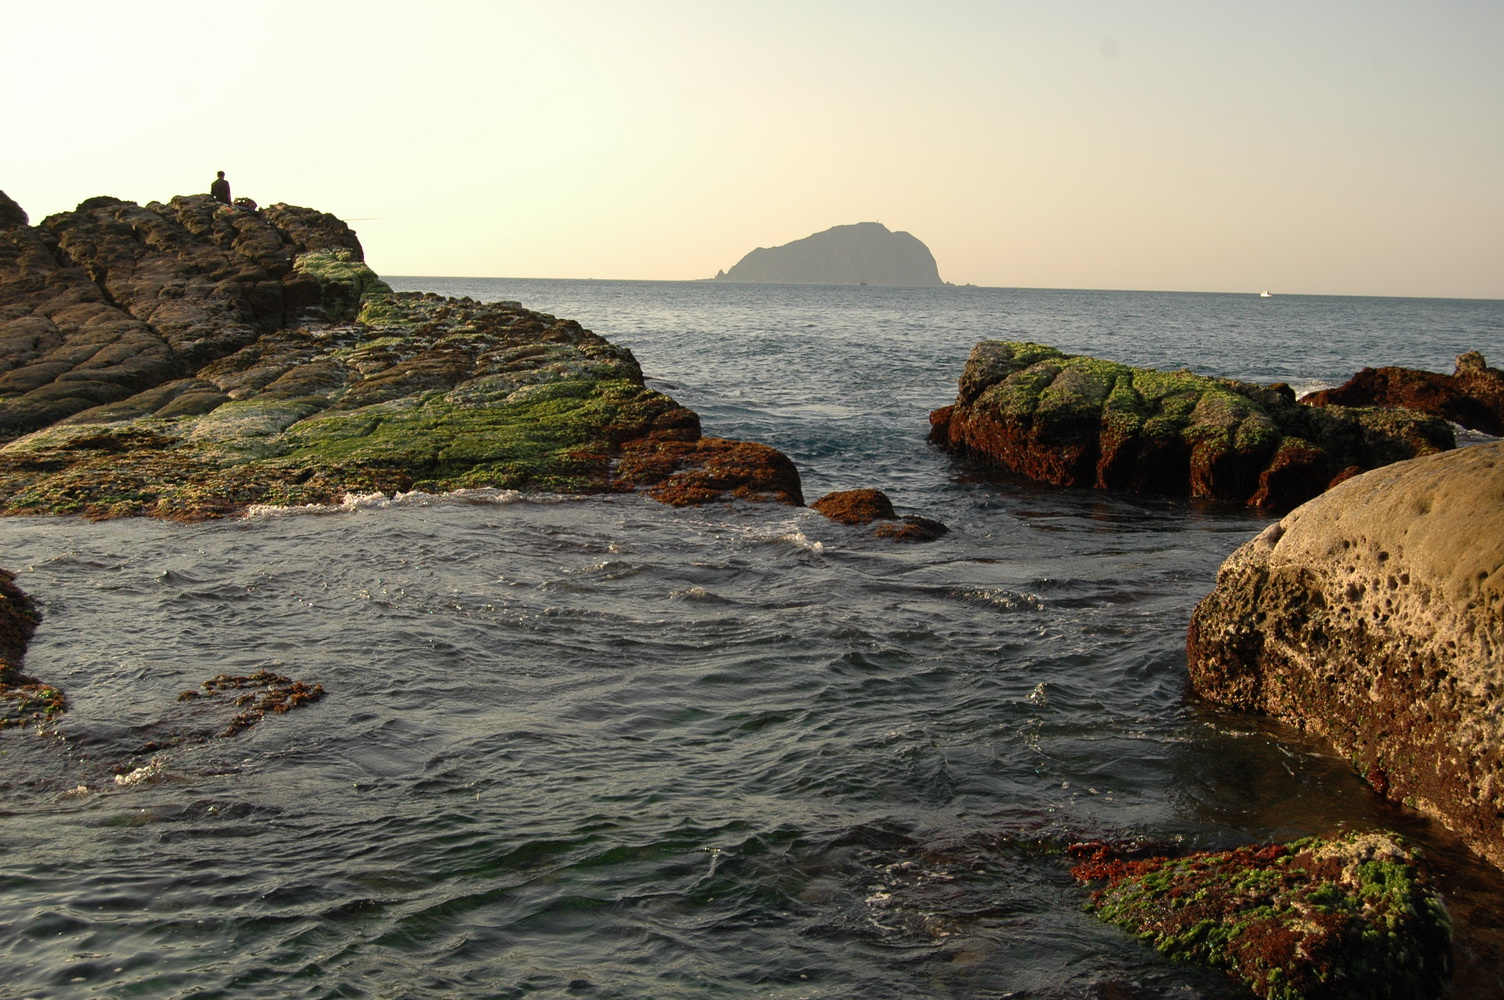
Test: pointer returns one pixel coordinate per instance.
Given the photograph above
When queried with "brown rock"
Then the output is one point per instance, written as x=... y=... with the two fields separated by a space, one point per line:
x=23 y=700
x=685 y=473
x=866 y=506
x=1374 y=617
x=856 y=506
x=1472 y=396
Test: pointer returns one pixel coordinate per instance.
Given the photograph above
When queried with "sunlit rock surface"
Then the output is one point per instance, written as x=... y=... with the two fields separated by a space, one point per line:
x=190 y=359
x=1472 y=396
x=1374 y=617
x=1071 y=420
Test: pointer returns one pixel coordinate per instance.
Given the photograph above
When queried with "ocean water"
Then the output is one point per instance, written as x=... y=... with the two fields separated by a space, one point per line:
x=603 y=748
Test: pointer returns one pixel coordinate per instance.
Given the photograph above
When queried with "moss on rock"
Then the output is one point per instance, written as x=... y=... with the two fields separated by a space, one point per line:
x=1346 y=917
x=1080 y=421
x=307 y=378
x=23 y=700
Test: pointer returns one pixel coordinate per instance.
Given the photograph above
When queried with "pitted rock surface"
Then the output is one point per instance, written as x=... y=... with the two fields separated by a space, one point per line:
x=1374 y=616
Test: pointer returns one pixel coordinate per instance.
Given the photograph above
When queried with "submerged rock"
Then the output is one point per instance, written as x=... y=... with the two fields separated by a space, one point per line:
x=1070 y=420
x=1345 y=917
x=1472 y=396
x=1374 y=617
x=188 y=360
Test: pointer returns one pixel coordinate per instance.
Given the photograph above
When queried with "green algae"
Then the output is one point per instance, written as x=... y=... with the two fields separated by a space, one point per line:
x=1337 y=918
x=1081 y=421
x=442 y=394
x=345 y=282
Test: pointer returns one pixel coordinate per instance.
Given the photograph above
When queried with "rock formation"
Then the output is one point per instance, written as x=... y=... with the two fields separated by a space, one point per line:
x=1077 y=421
x=869 y=506
x=867 y=253
x=189 y=359
x=1472 y=396
x=1374 y=617
x=23 y=699
x=11 y=214
x=1346 y=917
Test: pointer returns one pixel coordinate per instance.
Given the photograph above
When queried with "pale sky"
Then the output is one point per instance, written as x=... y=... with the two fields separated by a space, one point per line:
x=1196 y=145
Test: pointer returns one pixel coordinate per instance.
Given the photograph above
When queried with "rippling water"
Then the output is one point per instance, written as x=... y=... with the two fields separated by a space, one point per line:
x=600 y=747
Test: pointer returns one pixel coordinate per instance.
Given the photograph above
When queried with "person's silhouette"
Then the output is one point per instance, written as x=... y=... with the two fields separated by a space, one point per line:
x=220 y=189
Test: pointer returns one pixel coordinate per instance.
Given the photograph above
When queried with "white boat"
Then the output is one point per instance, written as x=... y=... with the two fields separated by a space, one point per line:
x=1266 y=294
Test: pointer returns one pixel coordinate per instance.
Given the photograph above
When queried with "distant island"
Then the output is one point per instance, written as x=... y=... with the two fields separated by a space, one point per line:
x=867 y=253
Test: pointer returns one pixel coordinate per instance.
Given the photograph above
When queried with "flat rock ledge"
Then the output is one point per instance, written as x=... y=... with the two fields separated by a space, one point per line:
x=1070 y=420
x=1373 y=616
x=191 y=359
x=1351 y=916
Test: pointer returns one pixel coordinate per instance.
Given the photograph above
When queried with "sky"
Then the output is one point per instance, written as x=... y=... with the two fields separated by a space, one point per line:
x=1349 y=148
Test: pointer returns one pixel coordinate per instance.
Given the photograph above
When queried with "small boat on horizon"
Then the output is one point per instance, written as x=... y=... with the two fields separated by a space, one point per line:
x=1266 y=294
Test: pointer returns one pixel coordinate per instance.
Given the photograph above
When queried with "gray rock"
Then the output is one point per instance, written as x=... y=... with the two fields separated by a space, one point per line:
x=867 y=253
x=1373 y=616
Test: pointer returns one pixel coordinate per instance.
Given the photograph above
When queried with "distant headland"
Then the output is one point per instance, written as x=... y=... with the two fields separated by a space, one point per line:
x=867 y=253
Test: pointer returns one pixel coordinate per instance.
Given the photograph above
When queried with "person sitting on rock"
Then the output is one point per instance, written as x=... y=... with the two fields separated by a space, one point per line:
x=220 y=189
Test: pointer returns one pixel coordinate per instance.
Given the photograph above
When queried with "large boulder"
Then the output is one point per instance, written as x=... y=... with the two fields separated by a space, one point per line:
x=1472 y=396
x=1071 y=420
x=191 y=359
x=1374 y=617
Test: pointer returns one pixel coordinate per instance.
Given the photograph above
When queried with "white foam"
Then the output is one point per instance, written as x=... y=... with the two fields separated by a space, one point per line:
x=352 y=502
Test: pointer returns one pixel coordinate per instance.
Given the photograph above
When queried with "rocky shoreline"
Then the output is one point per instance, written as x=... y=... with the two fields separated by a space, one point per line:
x=190 y=360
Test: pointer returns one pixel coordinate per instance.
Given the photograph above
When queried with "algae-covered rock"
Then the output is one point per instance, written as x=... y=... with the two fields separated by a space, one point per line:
x=1071 y=420
x=1472 y=396
x=191 y=359
x=1347 y=917
x=23 y=699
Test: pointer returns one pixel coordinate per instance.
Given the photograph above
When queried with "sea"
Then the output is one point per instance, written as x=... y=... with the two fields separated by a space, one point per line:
x=600 y=747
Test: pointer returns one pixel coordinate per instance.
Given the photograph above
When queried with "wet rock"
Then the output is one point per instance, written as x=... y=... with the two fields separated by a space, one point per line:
x=1472 y=396
x=856 y=506
x=869 y=506
x=23 y=700
x=1374 y=617
x=190 y=359
x=689 y=472
x=1346 y=917
x=1077 y=421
